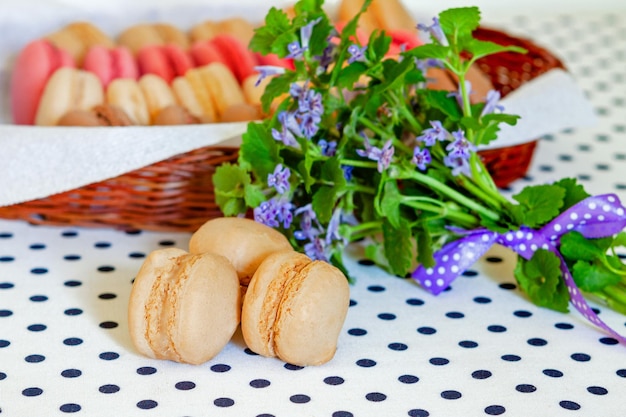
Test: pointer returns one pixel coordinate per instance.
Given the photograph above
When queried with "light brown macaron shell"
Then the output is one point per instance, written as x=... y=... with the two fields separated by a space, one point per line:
x=294 y=309
x=244 y=242
x=183 y=307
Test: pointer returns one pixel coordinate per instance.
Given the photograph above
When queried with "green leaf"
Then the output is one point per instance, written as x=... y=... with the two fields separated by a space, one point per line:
x=229 y=183
x=459 y=23
x=276 y=24
x=253 y=195
x=319 y=36
x=276 y=87
x=593 y=276
x=480 y=49
x=538 y=204
x=378 y=46
x=574 y=192
x=398 y=247
x=258 y=151
x=323 y=203
x=575 y=246
x=349 y=75
x=439 y=99
x=308 y=6
x=280 y=43
x=332 y=171
x=428 y=51
x=390 y=204
x=540 y=278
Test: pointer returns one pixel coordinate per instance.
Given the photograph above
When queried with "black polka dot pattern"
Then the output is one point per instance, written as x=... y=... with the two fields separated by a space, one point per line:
x=478 y=349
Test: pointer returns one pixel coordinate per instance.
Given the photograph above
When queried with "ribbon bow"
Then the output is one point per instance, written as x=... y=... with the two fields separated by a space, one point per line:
x=594 y=217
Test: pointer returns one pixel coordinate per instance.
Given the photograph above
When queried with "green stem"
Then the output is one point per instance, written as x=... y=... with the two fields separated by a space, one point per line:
x=452 y=193
x=615 y=298
x=479 y=192
x=608 y=266
x=443 y=211
x=368 y=123
x=360 y=164
x=363 y=230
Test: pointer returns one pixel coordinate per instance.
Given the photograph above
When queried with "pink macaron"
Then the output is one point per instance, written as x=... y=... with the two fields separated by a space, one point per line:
x=35 y=64
x=111 y=63
x=204 y=53
x=167 y=61
x=238 y=57
x=402 y=40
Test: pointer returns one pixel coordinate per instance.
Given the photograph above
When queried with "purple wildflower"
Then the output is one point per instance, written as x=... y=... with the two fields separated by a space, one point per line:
x=421 y=158
x=297 y=91
x=435 y=32
x=382 y=156
x=312 y=102
x=347 y=172
x=266 y=214
x=295 y=50
x=285 y=134
x=307 y=221
x=289 y=120
x=266 y=71
x=327 y=57
x=279 y=179
x=327 y=148
x=459 y=165
x=461 y=147
x=306 y=31
x=433 y=134
x=285 y=213
x=273 y=211
x=491 y=103
x=424 y=64
x=357 y=53
x=315 y=250
x=332 y=232
x=309 y=124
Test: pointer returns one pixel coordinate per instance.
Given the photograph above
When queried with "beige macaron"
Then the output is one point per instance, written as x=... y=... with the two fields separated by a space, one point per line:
x=157 y=93
x=244 y=242
x=77 y=37
x=126 y=94
x=68 y=89
x=294 y=309
x=144 y=34
x=183 y=307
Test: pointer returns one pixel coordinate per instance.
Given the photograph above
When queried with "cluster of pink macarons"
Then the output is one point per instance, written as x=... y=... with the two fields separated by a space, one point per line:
x=154 y=74
x=38 y=62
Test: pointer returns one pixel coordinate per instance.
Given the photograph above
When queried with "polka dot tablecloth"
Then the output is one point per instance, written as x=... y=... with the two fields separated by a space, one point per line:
x=479 y=349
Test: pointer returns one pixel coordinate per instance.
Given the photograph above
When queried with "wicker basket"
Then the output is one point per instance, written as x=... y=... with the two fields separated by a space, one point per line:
x=177 y=194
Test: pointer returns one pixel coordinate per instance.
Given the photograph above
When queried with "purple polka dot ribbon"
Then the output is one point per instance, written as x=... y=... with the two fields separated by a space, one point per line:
x=595 y=217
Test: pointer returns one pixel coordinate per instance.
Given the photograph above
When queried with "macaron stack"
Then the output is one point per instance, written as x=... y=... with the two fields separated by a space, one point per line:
x=186 y=306
x=150 y=74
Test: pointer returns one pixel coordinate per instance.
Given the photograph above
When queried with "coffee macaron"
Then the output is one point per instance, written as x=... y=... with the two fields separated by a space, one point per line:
x=294 y=309
x=244 y=242
x=183 y=307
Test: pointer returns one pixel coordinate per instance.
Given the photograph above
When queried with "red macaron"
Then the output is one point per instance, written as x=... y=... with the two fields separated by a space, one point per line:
x=111 y=63
x=35 y=64
x=235 y=55
x=167 y=61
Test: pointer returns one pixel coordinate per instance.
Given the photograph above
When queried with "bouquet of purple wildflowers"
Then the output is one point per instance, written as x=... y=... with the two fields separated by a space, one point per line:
x=359 y=148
